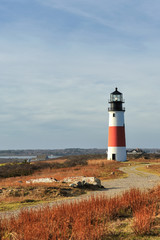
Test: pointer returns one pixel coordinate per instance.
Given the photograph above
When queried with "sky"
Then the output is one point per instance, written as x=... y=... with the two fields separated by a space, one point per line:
x=61 y=59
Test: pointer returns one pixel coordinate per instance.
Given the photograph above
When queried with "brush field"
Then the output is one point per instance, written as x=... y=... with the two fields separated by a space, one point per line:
x=15 y=192
x=133 y=215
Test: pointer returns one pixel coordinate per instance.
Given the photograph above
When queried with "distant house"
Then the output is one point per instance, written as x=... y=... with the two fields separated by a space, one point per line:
x=135 y=151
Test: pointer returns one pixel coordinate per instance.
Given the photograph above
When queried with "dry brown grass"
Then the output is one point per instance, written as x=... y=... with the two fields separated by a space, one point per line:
x=54 y=161
x=89 y=219
x=16 y=190
x=86 y=220
x=96 y=168
x=153 y=168
x=101 y=162
x=145 y=160
x=37 y=192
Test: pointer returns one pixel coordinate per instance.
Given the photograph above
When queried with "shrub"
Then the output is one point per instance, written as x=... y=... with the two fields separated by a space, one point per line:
x=74 y=162
x=24 y=169
x=13 y=170
x=143 y=220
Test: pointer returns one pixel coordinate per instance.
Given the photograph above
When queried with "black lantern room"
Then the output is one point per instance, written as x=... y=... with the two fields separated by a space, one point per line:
x=116 y=101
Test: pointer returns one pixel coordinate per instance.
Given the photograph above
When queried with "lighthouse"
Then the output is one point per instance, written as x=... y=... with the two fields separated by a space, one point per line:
x=116 y=133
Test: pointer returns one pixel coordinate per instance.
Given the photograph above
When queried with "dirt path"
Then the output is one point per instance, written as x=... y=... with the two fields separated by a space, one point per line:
x=135 y=179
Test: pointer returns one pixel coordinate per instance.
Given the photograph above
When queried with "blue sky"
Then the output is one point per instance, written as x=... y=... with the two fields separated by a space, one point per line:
x=59 y=61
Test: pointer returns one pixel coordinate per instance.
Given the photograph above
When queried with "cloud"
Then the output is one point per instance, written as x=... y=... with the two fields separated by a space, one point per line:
x=126 y=17
x=59 y=63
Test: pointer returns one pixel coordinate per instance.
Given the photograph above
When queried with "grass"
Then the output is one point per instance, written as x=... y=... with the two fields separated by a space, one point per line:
x=153 y=168
x=132 y=216
x=95 y=168
x=146 y=165
x=14 y=190
x=16 y=197
x=144 y=161
x=10 y=206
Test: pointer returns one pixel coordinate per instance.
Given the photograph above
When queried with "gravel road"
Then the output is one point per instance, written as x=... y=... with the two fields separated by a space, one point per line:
x=135 y=179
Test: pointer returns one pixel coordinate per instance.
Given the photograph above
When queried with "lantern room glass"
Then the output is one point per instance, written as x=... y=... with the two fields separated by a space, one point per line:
x=116 y=98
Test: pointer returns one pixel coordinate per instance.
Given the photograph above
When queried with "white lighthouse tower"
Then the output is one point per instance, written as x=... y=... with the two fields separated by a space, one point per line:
x=116 y=133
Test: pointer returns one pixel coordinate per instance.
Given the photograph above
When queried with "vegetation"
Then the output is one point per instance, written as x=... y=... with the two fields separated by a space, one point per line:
x=16 y=169
x=12 y=198
x=24 y=169
x=87 y=157
x=148 y=156
x=134 y=215
x=15 y=192
x=130 y=216
x=151 y=168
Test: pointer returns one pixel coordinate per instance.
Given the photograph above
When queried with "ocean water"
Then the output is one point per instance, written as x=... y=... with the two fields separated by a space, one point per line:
x=17 y=157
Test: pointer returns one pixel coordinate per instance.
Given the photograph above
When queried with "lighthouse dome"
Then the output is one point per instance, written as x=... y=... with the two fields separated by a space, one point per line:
x=116 y=92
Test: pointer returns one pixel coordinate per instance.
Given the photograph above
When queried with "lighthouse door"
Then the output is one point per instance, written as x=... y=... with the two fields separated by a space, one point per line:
x=113 y=156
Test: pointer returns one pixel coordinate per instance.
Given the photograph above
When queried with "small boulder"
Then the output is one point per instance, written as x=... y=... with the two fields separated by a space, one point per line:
x=82 y=181
x=74 y=185
x=42 y=180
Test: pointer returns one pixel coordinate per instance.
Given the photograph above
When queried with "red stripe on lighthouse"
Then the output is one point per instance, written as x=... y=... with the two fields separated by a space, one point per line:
x=116 y=137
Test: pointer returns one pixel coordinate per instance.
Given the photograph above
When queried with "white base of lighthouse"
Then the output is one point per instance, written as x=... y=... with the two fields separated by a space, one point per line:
x=117 y=153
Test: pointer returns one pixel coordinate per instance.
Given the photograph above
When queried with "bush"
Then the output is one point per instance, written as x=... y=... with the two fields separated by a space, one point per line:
x=24 y=169
x=74 y=162
x=143 y=220
x=13 y=170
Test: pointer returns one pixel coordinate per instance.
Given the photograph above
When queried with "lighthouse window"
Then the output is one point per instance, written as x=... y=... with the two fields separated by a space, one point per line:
x=114 y=114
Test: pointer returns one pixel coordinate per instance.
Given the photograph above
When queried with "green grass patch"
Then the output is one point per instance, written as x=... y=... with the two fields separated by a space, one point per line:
x=111 y=174
x=153 y=169
x=16 y=205
x=2 y=164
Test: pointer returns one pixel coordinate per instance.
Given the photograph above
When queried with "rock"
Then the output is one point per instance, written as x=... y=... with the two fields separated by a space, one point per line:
x=74 y=185
x=42 y=180
x=82 y=181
